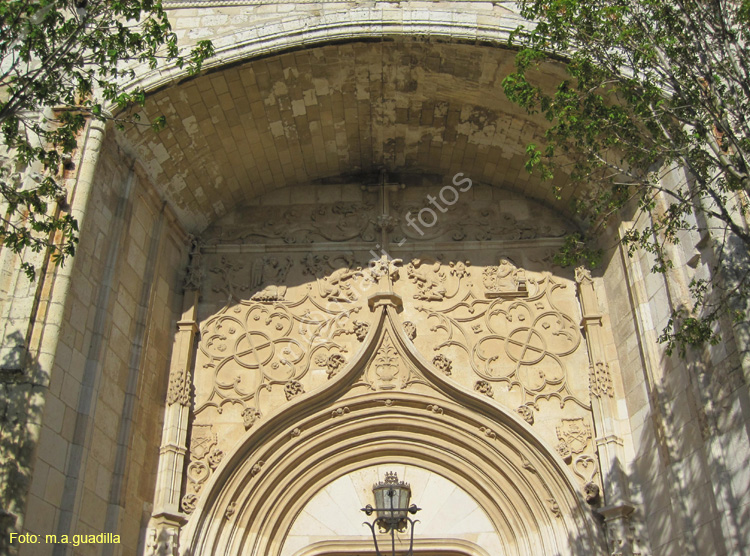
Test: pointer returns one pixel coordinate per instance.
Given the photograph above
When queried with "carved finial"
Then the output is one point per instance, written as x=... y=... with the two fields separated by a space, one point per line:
x=583 y=274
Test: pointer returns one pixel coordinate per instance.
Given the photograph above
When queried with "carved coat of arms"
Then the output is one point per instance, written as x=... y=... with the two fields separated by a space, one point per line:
x=575 y=434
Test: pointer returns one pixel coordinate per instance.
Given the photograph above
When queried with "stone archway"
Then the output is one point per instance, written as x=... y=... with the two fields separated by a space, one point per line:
x=250 y=504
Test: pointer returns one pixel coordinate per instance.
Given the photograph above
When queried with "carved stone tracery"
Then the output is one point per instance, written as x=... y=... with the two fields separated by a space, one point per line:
x=291 y=316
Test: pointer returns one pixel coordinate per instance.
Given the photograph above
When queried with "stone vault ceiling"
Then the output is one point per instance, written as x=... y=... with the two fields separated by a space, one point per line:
x=335 y=112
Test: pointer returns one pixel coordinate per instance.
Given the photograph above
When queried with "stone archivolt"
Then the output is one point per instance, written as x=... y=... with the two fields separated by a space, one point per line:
x=349 y=423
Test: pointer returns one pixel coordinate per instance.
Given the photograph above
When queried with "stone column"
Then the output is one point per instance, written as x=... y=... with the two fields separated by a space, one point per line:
x=168 y=517
x=609 y=444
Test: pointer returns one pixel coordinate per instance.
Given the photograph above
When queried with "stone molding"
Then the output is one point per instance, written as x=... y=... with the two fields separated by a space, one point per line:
x=350 y=24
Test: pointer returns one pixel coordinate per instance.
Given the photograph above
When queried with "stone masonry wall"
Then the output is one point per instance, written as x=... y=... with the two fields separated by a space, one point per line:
x=97 y=452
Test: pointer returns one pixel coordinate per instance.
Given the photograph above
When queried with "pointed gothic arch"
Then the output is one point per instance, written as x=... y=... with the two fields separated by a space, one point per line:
x=251 y=501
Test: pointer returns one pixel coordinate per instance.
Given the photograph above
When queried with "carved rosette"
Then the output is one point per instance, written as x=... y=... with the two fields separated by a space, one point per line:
x=249 y=416
x=188 y=503
x=214 y=458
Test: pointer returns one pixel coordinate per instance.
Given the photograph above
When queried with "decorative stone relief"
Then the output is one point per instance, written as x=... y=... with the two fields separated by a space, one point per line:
x=431 y=279
x=252 y=347
x=508 y=332
x=504 y=280
x=205 y=456
x=585 y=466
x=269 y=273
x=340 y=285
x=250 y=416
x=489 y=433
x=292 y=389
x=162 y=541
x=178 y=390
x=478 y=221
x=338 y=412
x=388 y=370
x=386 y=364
x=563 y=451
x=214 y=458
x=384 y=271
x=189 y=502
x=526 y=413
x=443 y=364
x=304 y=224
x=575 y=434
x=202 y=439
x=360 y=329
x=255 y=469
x=195 y=270
x=334 y=363
x=591 y=493
x=483 y=387
x=228 y=281
x=428 y=279
x=521 y=340
x=600 y=380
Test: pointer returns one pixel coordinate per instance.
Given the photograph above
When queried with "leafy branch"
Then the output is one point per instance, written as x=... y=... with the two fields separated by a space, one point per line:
x=61 y=63
x=651 y=87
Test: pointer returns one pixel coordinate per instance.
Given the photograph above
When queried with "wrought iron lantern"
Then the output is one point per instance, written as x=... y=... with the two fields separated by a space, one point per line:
x=392 y=511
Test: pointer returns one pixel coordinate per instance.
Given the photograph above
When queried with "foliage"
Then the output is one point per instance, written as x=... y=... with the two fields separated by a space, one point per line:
x=654 y=113
x=62 y=62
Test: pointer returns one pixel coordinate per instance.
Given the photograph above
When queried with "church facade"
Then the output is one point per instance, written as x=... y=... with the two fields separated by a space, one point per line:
x=333 y=265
